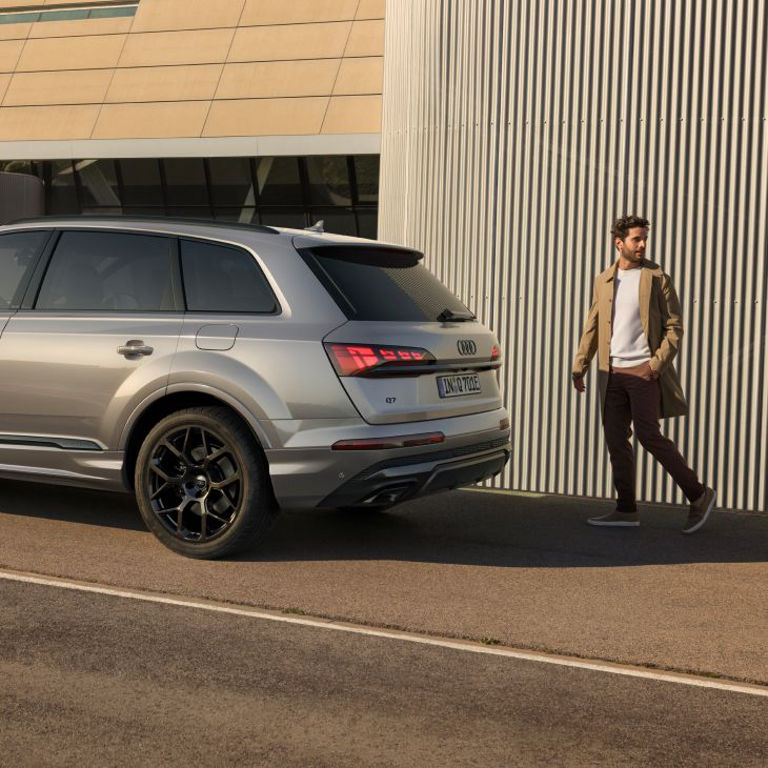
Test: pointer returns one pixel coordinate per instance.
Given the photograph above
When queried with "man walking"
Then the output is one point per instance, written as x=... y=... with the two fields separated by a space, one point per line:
x=634 y=325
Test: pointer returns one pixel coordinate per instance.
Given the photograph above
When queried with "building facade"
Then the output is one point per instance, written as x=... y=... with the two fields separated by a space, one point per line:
x=252 y=110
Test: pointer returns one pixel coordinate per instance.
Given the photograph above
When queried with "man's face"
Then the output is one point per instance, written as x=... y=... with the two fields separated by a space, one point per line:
x=632 y=247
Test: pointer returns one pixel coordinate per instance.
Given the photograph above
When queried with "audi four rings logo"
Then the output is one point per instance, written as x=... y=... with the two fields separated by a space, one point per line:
x=466 y=347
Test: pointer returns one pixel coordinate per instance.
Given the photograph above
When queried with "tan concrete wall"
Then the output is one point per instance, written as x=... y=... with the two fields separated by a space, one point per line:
x=194 y=68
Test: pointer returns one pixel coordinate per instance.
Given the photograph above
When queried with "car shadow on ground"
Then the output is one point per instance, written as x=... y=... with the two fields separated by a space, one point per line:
x=475 y=528
x=457 y=527
x=78 y=505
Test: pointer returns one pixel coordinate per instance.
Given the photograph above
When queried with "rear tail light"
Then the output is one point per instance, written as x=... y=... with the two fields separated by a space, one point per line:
x=383 y=443
x=495 y=353
x=365 y=359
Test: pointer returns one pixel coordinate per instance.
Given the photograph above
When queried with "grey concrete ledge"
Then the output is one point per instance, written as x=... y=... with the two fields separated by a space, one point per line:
x=234 y=146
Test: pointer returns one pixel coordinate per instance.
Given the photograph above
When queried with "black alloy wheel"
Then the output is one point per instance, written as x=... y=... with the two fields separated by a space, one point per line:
x=202 y=483
x=195 y=483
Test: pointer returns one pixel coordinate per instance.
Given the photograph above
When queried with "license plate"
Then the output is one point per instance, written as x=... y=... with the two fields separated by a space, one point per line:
x=455 y=386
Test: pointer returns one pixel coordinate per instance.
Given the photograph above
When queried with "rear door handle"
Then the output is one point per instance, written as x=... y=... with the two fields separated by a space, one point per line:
x=134 y=348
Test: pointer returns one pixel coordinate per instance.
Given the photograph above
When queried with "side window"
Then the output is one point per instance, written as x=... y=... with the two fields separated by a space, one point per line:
x=109 y=271
x=218 y=278
x=18 y=252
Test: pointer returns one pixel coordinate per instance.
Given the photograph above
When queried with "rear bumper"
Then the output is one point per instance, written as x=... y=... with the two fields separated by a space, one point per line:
x=307 y=473
x=391 y=482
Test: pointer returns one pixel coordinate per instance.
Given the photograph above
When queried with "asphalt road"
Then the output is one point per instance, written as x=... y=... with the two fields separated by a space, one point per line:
x=93 y=680
x=90 y=679
x=524 y=571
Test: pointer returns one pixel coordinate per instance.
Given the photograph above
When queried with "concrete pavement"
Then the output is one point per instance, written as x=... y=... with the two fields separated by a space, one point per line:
x=525 y=572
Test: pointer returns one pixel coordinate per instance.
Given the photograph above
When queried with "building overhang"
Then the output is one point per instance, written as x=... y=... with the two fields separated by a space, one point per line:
x=235 y=146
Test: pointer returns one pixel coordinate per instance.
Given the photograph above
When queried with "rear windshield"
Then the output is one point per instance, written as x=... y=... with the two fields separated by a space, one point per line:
x=381 y=283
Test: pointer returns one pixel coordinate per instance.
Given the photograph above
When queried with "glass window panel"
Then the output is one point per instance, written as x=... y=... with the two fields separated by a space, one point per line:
x=98 y=180
x=185 y=181
x=108 y=271
x=63 y=15
x=102 y=211
x=18 y=18
x=21 y=166
x=231 y=182
x=141 y=182
x=284 y=217
x=367 y=176
x=329 y=180
x=377 y=284
x=223 y=279
x=61 y=192
x=367 y=223
x=279 y=180
x=101 y=13
x=337 y=220
x=242 y=215
x=190 y=212
x=17 y=256
x=143 y=210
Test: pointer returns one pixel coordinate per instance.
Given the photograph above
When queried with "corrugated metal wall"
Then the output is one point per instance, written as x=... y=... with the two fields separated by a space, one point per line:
x=515 y=131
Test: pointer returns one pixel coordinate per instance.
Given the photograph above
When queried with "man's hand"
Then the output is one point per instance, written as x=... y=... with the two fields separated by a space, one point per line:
x=578 y=383
x=650 y=374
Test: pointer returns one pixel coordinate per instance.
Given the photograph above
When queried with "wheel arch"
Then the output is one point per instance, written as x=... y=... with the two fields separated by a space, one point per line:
x=151 y=413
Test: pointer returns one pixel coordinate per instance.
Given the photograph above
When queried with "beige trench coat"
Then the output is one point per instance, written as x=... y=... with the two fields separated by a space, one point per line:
x=660 y=315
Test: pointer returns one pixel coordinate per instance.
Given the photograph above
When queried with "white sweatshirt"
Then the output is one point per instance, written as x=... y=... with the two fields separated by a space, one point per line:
x=629 y=345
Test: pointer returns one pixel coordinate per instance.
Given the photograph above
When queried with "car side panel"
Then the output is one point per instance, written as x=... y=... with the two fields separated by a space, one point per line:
x=273 y=369
x=63 y=375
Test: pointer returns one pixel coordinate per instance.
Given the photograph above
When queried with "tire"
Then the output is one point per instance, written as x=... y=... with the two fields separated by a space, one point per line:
x=202 y=484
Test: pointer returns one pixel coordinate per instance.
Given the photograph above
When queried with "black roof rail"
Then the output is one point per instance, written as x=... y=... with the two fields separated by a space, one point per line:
x=149 y=219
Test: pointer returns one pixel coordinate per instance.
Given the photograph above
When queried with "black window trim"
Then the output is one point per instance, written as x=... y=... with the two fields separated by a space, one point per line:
x=32 y=293
x=278 y=310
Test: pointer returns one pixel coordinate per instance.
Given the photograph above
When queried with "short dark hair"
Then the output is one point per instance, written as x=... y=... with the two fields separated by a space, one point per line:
x=622 y=226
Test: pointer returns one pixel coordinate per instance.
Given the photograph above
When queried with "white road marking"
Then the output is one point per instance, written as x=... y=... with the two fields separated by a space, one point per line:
x=457 y=645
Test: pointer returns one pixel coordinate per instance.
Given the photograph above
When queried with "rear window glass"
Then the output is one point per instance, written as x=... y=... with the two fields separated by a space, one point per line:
x=381 y=283
x=218 y=278
x=18 y=252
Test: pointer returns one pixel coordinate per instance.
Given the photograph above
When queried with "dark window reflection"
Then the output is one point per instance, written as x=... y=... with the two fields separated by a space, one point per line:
x=223 y=279
x=245 y=215
x=340 y=221
x=283 y=217
x=189 y=211
x=98 y=181
x=108 y=271
x=61 y=191
x=367 y=223
x=278 y=180
x=231 y=181
x=185 y=181
x=141 y=182
x=282 y=191
x=329 y=180
x=143 y=210
x=367 y=177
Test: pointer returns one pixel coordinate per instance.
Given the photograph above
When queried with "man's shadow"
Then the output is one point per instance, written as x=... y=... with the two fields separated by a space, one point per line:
x=456 y=527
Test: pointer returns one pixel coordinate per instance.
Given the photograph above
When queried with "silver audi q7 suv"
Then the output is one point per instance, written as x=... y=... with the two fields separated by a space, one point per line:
x=223 y=372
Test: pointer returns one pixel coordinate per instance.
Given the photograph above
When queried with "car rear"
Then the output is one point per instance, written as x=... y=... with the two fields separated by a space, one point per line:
x=420 y=370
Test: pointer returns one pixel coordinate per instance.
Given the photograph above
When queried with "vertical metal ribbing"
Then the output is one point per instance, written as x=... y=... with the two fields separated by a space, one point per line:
x=516 y=130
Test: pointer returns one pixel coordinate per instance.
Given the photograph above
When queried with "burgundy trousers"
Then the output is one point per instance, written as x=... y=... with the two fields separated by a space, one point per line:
x=635 y=399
